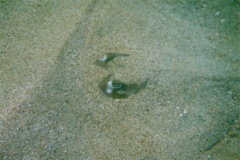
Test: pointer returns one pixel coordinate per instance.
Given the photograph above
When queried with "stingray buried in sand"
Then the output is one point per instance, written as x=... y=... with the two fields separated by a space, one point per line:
x=117 y=89
x=103 y=61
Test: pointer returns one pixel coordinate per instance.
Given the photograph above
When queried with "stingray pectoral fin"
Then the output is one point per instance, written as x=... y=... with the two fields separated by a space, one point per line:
x=135 y=88
x=118 y=94
x=131 y=89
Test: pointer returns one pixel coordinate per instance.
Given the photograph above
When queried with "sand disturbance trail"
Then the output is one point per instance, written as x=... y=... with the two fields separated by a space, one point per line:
x=188 y=110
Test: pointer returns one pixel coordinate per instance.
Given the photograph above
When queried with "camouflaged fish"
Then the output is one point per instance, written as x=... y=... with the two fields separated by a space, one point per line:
x=103 y=61
x=117 y=89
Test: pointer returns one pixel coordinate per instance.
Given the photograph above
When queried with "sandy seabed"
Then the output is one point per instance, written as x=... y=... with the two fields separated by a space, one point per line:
x=50 y=103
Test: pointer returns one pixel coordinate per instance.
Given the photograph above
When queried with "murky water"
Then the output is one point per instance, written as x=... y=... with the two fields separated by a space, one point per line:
x=188 y=52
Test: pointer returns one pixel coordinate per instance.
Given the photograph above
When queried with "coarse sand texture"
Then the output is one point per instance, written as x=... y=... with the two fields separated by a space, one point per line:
x=120 y=79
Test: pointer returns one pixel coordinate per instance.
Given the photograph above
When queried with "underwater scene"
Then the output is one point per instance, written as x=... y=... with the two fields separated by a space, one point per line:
x=120 y=79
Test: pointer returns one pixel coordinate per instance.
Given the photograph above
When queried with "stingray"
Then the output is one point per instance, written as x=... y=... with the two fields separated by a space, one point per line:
x=103 y=61
x=117 y=89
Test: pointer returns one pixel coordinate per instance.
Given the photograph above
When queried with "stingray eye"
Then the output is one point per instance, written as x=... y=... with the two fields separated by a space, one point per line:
x=117 y=85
